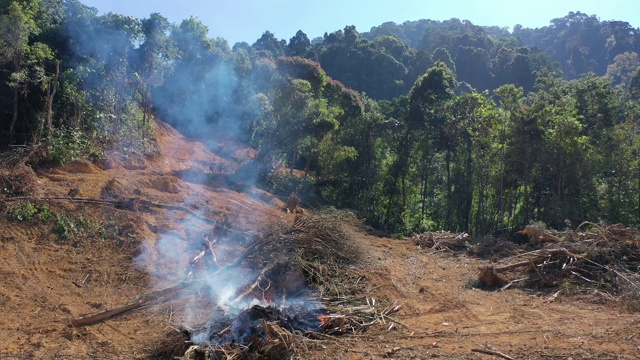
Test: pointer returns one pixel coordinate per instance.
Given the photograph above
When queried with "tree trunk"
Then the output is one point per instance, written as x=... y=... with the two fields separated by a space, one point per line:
x=14 y=119
x=638 y=193
x=478 y=227
x=447 y=215
x=54 y=84
x=294 y=158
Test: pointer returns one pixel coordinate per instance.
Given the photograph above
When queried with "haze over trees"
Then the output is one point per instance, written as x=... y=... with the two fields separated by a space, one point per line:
x=417 y=126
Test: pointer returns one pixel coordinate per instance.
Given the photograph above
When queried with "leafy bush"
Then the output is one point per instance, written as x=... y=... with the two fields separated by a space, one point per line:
x=282 y=183
x=66 y=145
x=24 y=211
x=135 y=138
x=67 y=227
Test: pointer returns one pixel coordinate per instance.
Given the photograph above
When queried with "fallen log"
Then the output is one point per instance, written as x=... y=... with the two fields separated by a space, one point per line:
x=158 y=296
x=537 y=256
x=153 y=298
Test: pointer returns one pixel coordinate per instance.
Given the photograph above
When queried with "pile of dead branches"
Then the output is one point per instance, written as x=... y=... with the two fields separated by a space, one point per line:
x=256 y=333
x=597 y=257
x=303 y=277
x=271 y=332
x=315 y=247
x=351 y=319
x=441 y=240
x=17 y=181
x=306 y=271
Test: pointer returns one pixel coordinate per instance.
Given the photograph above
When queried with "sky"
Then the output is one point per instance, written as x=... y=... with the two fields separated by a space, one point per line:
x=247 y=20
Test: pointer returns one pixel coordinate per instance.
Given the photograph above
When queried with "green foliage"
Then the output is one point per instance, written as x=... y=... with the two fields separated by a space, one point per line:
x=67 y=145
x=634 y=86
x=79 y=229
x=269 y=45
x=66 y=227
x=410 y=155
x=135 y=138
x=25 y=211
x=282 y=183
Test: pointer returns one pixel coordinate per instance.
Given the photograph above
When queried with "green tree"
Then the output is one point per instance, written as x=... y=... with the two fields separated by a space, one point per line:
x=155 y=54
x=474 y=67
x=426 y=117
x=442 y=54
x=634 y=86
x=269 y=45
x=25 y=60
x=299 y=45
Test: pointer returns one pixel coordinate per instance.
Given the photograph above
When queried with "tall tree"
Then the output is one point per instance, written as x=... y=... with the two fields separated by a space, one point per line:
x=427 y=115
x=624 y=66
x=155 y=55
x=299 y=45
x=269 y=44
x=17 y=25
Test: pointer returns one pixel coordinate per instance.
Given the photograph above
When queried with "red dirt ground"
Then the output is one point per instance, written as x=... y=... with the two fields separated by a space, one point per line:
x=47 y=281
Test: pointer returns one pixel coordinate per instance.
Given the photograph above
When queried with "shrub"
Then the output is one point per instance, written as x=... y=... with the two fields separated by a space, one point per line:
x=24 y=211
x=67 y=145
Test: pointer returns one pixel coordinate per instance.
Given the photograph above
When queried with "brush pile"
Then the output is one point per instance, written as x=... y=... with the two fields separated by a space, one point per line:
x=441 y=240
x=304 y=289
x=20 y=180
x=258 y=332
x=594 y=257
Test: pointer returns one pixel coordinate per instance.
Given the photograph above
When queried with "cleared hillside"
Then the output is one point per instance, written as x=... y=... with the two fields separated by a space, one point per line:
x=84 y=258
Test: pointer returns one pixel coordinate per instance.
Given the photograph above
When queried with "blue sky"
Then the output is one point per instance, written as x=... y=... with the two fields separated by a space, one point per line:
x=247 y=20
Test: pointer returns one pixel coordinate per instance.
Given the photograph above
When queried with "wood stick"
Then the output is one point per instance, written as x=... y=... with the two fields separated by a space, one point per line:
x=158 y=296
x=128 y=204
x=153 y=298
x=541 y=256
x=513 y=266
x=251 y=287
x=494 y=353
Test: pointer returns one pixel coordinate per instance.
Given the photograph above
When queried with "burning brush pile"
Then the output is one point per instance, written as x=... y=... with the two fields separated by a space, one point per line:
x=296 y=283
x=260 y=296
x=592 y=259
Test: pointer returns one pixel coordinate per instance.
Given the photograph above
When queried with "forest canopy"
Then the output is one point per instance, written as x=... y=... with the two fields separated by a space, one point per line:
x=416 y=126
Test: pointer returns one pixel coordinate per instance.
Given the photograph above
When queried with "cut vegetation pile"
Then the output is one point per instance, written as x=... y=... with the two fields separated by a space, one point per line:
x=305 y=288
x=592 y=259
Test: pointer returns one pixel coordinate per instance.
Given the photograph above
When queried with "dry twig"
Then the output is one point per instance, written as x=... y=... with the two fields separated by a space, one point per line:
x=494 y=353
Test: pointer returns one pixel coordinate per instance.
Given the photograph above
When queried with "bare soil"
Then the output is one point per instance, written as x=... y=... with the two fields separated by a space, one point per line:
x=47 y=280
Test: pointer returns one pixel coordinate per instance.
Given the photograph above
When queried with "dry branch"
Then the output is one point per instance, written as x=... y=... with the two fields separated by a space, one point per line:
x=157 y=296
x=152 y=298
x=494 y=353
x=132 y=204
x=537 y=233
x=242 y=293
x=441 y=240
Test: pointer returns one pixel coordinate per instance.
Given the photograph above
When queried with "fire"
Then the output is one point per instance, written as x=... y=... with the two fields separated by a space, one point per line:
x=324 y=319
